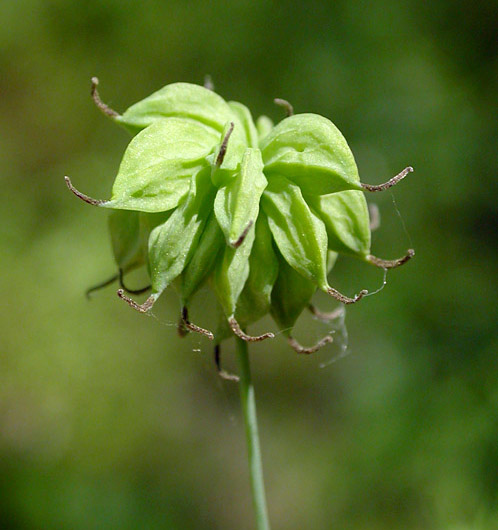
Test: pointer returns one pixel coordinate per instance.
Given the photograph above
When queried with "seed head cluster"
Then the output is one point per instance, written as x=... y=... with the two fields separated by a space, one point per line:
x=260 y=211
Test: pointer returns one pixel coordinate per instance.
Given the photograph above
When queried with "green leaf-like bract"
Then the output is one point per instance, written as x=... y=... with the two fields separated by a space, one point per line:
x=346 y=219
x=202 y=263
x=237 y=203
x=255 y=299
x=158 y=165
x=299 y=234
x=291 y=294
x=231 y=274
x=245 y=118
x=181 y=100
x=173 y=243
x=309 y=150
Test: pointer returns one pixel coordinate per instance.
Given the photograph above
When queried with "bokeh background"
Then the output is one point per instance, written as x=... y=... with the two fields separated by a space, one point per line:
x=108 y=419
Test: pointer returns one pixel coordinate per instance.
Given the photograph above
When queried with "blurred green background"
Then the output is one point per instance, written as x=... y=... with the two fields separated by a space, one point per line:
x=108 y=419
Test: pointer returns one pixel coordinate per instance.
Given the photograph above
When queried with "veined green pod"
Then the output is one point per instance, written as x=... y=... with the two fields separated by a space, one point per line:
x=158 y=165
x=309 y=150
x=290 y=296
x=229 y=280
x=346 y=219
x=173 y=243
x=187 y=102
x=264 y=126
x=255 y=300
x=203 y=261
x=299 y=234
x=181 y=100
x=231 y=273
x=245 y=118
x=237 y=203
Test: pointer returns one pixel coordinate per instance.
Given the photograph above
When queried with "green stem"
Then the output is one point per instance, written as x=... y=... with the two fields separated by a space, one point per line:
x=251 y=423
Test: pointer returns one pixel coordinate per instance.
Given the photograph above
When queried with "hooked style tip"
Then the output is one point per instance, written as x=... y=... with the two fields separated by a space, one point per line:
x=345 y=299
x=105 y=109
x=390 y=183
x=224 y=145
x=141 y=308
x=285 y=104
x=391 y=264
x=82 y=196
x=193 y=327
x=312 y=349
x=234 y=325
x=240 y=240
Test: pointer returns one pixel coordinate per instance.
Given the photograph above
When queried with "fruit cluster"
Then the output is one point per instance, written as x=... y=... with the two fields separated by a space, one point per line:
x=261 y=211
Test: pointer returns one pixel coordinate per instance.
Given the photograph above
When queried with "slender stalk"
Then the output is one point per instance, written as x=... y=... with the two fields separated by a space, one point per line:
x=251 y=423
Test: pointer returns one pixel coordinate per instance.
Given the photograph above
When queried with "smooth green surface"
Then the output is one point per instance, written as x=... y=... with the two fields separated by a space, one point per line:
x=204 y=258
x=346 y=218
x=159 y=164
x=255 y=299
x=237 y=204
x=310 y=150
x=248 y=403
x=298 y=233
x=180 y=100
x=231 y=273
x=246 y=119
x=173 y=243
x=286 y=309
x=108 y=419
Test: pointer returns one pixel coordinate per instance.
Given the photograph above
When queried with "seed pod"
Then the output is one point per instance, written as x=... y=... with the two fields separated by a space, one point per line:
x=182 y=100
x=231 y=274
x=290 y=296
x=255 y=300
x=124 y=227
x=237 y=203
x=159 y=163
x=309 y=150
x=264 y=126
x=300 y=236
x=346 y=218
x=245 y=118
x=173 y=243
x=204 y=259
x=129 y=236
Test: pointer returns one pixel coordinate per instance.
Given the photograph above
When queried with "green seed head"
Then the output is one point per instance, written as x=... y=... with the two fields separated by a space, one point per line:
x=260 y=211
